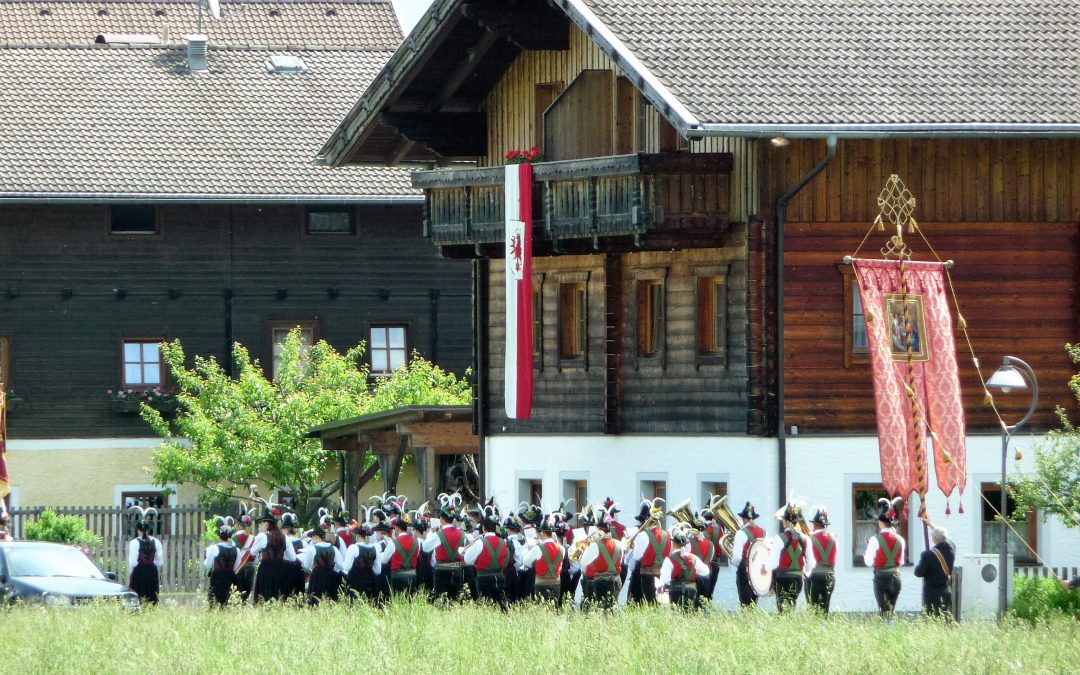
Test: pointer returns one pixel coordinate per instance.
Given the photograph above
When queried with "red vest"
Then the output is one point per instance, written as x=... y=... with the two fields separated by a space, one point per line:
x=714 y=533
x=411 y=547
x=757 y=533
x=824 y=543
x=682 y=568
x=893 y=542
x=555 y=554
x=793 y=555
x=454 y=537
x=241 y=539
x=600 y=565
x=346 y=536
x=618 y=529
x=485 y=559
x=654 y=554
x=704 y=549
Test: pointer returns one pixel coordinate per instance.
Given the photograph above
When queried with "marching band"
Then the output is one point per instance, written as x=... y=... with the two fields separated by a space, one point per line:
x=458 y=550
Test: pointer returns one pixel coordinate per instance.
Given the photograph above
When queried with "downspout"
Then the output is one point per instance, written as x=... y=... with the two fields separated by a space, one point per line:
x=781 y=220
x=480 y=316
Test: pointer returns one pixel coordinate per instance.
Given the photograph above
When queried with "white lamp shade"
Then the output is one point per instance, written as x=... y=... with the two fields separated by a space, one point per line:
x=1006 y=378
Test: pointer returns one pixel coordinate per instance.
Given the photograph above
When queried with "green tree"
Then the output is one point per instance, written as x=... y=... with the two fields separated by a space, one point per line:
x=230 y=431
x=1054 y=485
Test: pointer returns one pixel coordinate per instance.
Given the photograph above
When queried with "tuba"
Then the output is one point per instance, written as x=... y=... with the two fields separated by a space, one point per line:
x=684 y=514
x=727 y=518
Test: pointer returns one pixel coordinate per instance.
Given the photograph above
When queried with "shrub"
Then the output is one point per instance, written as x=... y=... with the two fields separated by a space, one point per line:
x=61 y=530
x=1042 y=599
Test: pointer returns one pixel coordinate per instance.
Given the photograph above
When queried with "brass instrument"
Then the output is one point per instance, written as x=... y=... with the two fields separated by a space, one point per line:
x=655 y=519
x=727 y=518
x=684 y=514
x=581 y=546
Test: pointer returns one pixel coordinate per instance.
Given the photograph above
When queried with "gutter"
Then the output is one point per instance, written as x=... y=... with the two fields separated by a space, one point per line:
x=891 y=130
x=781 y=219
x=171 y=198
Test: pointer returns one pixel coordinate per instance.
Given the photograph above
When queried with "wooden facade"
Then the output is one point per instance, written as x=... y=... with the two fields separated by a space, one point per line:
x=1007 y=211
x=212 y=275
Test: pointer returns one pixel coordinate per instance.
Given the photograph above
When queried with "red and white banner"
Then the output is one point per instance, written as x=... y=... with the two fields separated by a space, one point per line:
x=519 y=312
x=934 y=372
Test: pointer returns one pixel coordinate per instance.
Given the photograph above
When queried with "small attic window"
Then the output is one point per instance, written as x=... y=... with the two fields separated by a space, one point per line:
x=275 y=12
x=331 y=12
x=103 y=12
x=45 y=12
x=286 y=64
x=159 y=12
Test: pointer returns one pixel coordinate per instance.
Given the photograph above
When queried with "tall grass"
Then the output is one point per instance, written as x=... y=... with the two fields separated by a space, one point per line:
x=416 y=638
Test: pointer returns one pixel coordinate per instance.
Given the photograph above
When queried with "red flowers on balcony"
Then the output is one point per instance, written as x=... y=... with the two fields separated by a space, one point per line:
x=523 y=156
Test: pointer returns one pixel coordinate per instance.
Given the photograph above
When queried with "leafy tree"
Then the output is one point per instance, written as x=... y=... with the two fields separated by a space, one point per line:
x=230 y=431
x=1054 y=486
x=61 y=529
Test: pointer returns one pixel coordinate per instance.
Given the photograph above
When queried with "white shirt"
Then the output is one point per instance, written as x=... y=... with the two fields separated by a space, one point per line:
x=537 y=552
x=308 y=559
x=872 y=549
x=212 y=553
x=593 y=552
x=133 y=554
x=522 y=547
x=739 y=544
x=473 y=551
x=260 y=545
x=384 y=550
x=777 y=545
x=353 y=552
x=811 y=557
x=668 y=567
x=431 y=542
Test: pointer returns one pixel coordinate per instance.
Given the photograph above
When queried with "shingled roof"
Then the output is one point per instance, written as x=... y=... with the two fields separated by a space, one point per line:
x=368 y=24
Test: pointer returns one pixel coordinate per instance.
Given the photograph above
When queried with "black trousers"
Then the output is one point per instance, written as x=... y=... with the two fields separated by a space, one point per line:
x=747 y=596
x=704 y=595
x=602 y=591
x=646 y=587
x=820 y=588
x=526 y=581
x=788 y=587
x=548 y=593
x=245 y=580
x=714 y=574
x=470 y=581
x=937 y=602
x=492 y=588
x=684 y=595
x=403 y=583
x=886 y=591
x=448 y=583
x=221 y=583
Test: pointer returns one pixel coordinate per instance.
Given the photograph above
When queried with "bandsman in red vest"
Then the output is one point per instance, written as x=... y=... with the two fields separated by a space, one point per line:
x=547 y=560
x=618 y=530
x=404 y=560
x=245 y=564
x=490 y=554
x=744 y=538
x=425 y=565
x=714 y=533
x=601 y=564
x=682 y=568
x=789 y=558
x=707 y=552
x=445 y=543
x=651 y=546
x=885 y=553
x=822 y=578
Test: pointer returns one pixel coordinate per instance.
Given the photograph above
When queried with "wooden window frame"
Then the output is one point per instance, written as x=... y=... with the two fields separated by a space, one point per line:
x=329 y=208
x=853 y=356
x=5 y=363
x=163 y=377
x=580 y=360
x=536 y=491
x=643 y=277
x=859 y=547
x=1032 y=525
x=538 y=322
x=406 y=326
x=720 y=356
x=158 y=221
x=284 y=324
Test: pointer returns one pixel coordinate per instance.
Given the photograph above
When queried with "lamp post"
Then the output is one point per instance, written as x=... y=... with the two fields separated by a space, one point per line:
x=1006 y=378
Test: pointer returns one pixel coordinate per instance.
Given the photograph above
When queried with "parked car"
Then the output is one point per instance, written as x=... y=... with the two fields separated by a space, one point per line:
x=55 y=575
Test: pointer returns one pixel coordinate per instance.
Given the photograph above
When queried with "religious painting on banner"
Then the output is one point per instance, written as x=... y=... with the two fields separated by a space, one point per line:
x=518 y=372
x=907 y=314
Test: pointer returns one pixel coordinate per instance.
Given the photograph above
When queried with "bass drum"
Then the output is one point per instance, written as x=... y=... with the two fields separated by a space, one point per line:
x=757 y=568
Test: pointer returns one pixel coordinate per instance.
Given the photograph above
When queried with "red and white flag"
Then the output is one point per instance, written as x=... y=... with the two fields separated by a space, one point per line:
x=519 y=318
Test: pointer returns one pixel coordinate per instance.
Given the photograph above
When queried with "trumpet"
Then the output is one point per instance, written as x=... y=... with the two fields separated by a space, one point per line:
x=581 y=546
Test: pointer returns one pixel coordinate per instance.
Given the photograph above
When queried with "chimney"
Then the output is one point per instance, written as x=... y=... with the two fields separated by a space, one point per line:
x=196 y=53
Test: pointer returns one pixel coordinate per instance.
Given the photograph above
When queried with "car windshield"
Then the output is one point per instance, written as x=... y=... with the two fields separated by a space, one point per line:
x=50 y=561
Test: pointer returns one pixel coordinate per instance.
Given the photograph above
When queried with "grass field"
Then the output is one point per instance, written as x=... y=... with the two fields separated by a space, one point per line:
x=416 y=638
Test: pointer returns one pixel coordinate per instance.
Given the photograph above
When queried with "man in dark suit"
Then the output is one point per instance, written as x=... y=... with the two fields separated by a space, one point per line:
x=936 y=567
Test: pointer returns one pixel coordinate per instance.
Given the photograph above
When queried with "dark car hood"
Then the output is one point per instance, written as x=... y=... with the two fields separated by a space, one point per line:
x=77 y=587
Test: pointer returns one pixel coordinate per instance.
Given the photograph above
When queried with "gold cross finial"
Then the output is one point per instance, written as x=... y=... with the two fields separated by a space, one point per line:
x=895 y=205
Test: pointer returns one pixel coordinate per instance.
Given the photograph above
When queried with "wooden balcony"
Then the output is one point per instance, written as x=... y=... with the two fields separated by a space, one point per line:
x=584 y=199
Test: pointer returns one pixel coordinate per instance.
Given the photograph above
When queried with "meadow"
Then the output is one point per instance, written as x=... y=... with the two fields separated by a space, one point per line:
x=416 y=638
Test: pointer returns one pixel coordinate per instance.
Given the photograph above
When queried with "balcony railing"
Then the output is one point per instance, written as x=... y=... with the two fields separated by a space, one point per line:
x=583 y=198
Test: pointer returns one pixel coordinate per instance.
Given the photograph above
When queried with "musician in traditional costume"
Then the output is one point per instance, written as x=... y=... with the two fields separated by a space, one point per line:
x=651 y=545
x=547 y=561
x=618 y=530
x=571 y=571
x=425 y=564
x=444 y=543
x=788 y=558
x=516 y=541
x=935 y=567
x=681 y=569
x=341 y=529
x=707 y=552
x=245 y=564
x=601 y=564
x=363 y=565
x=384 y=550
x=404 y=559
x=490 y=555
x=885 y=553
x=294 y=583
x=145 y=558
x=273 y=554
x=713 y=532
x=821 y=579
x=322 y=561
x=219 y=563
x=531 y=518
x=740 y=550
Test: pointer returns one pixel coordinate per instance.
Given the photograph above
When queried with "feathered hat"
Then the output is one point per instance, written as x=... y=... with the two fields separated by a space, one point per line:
x=144 y=518
x=682 y=533
x=748 y=512
x=247 y=515
x=289 y=519
x=342 y=516
x=793 y=510
x=611 y=506
x=489 y=514
x=530 y=514
x=449 y=506
x=889 y=511
x=821 y=517
x=224 y=526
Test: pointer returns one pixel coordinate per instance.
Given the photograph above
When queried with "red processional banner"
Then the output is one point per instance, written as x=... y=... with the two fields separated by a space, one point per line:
x=5 y=481
x=518 y=373
x=911 y=344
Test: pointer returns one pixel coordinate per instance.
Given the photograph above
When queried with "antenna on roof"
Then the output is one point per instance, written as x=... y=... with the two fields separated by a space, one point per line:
x=215 y=10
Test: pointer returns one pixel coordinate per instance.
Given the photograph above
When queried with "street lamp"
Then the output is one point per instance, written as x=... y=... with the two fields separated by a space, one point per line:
x=1006 y=378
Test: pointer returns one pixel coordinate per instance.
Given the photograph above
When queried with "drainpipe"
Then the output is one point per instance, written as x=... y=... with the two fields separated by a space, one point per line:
x=781 y=219
x=480 y=316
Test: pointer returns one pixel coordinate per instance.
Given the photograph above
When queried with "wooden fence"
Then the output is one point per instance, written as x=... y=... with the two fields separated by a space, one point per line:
x=180 y=529
x=1065 y=573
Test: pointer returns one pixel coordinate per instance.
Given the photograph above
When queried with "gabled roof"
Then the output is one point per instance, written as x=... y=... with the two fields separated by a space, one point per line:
x=102 y=123
x=323 y=23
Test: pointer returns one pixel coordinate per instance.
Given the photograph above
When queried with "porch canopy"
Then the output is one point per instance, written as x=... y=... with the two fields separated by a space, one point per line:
x=425 y=432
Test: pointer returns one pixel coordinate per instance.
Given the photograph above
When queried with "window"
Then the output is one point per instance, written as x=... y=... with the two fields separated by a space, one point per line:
x=145 y=500
x=142 y=362
x=280 y=330
x=544 y=95
x=652 y=489
x=536 y=491
x=1026 y=529
x=856 y=345
x=538 y=323
x=573 y=335
x=330 y=220
x=650 y=314
x=388 y=350
x=712 y=315
x=864 y=506
x=5 y=363
x=133 y=219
